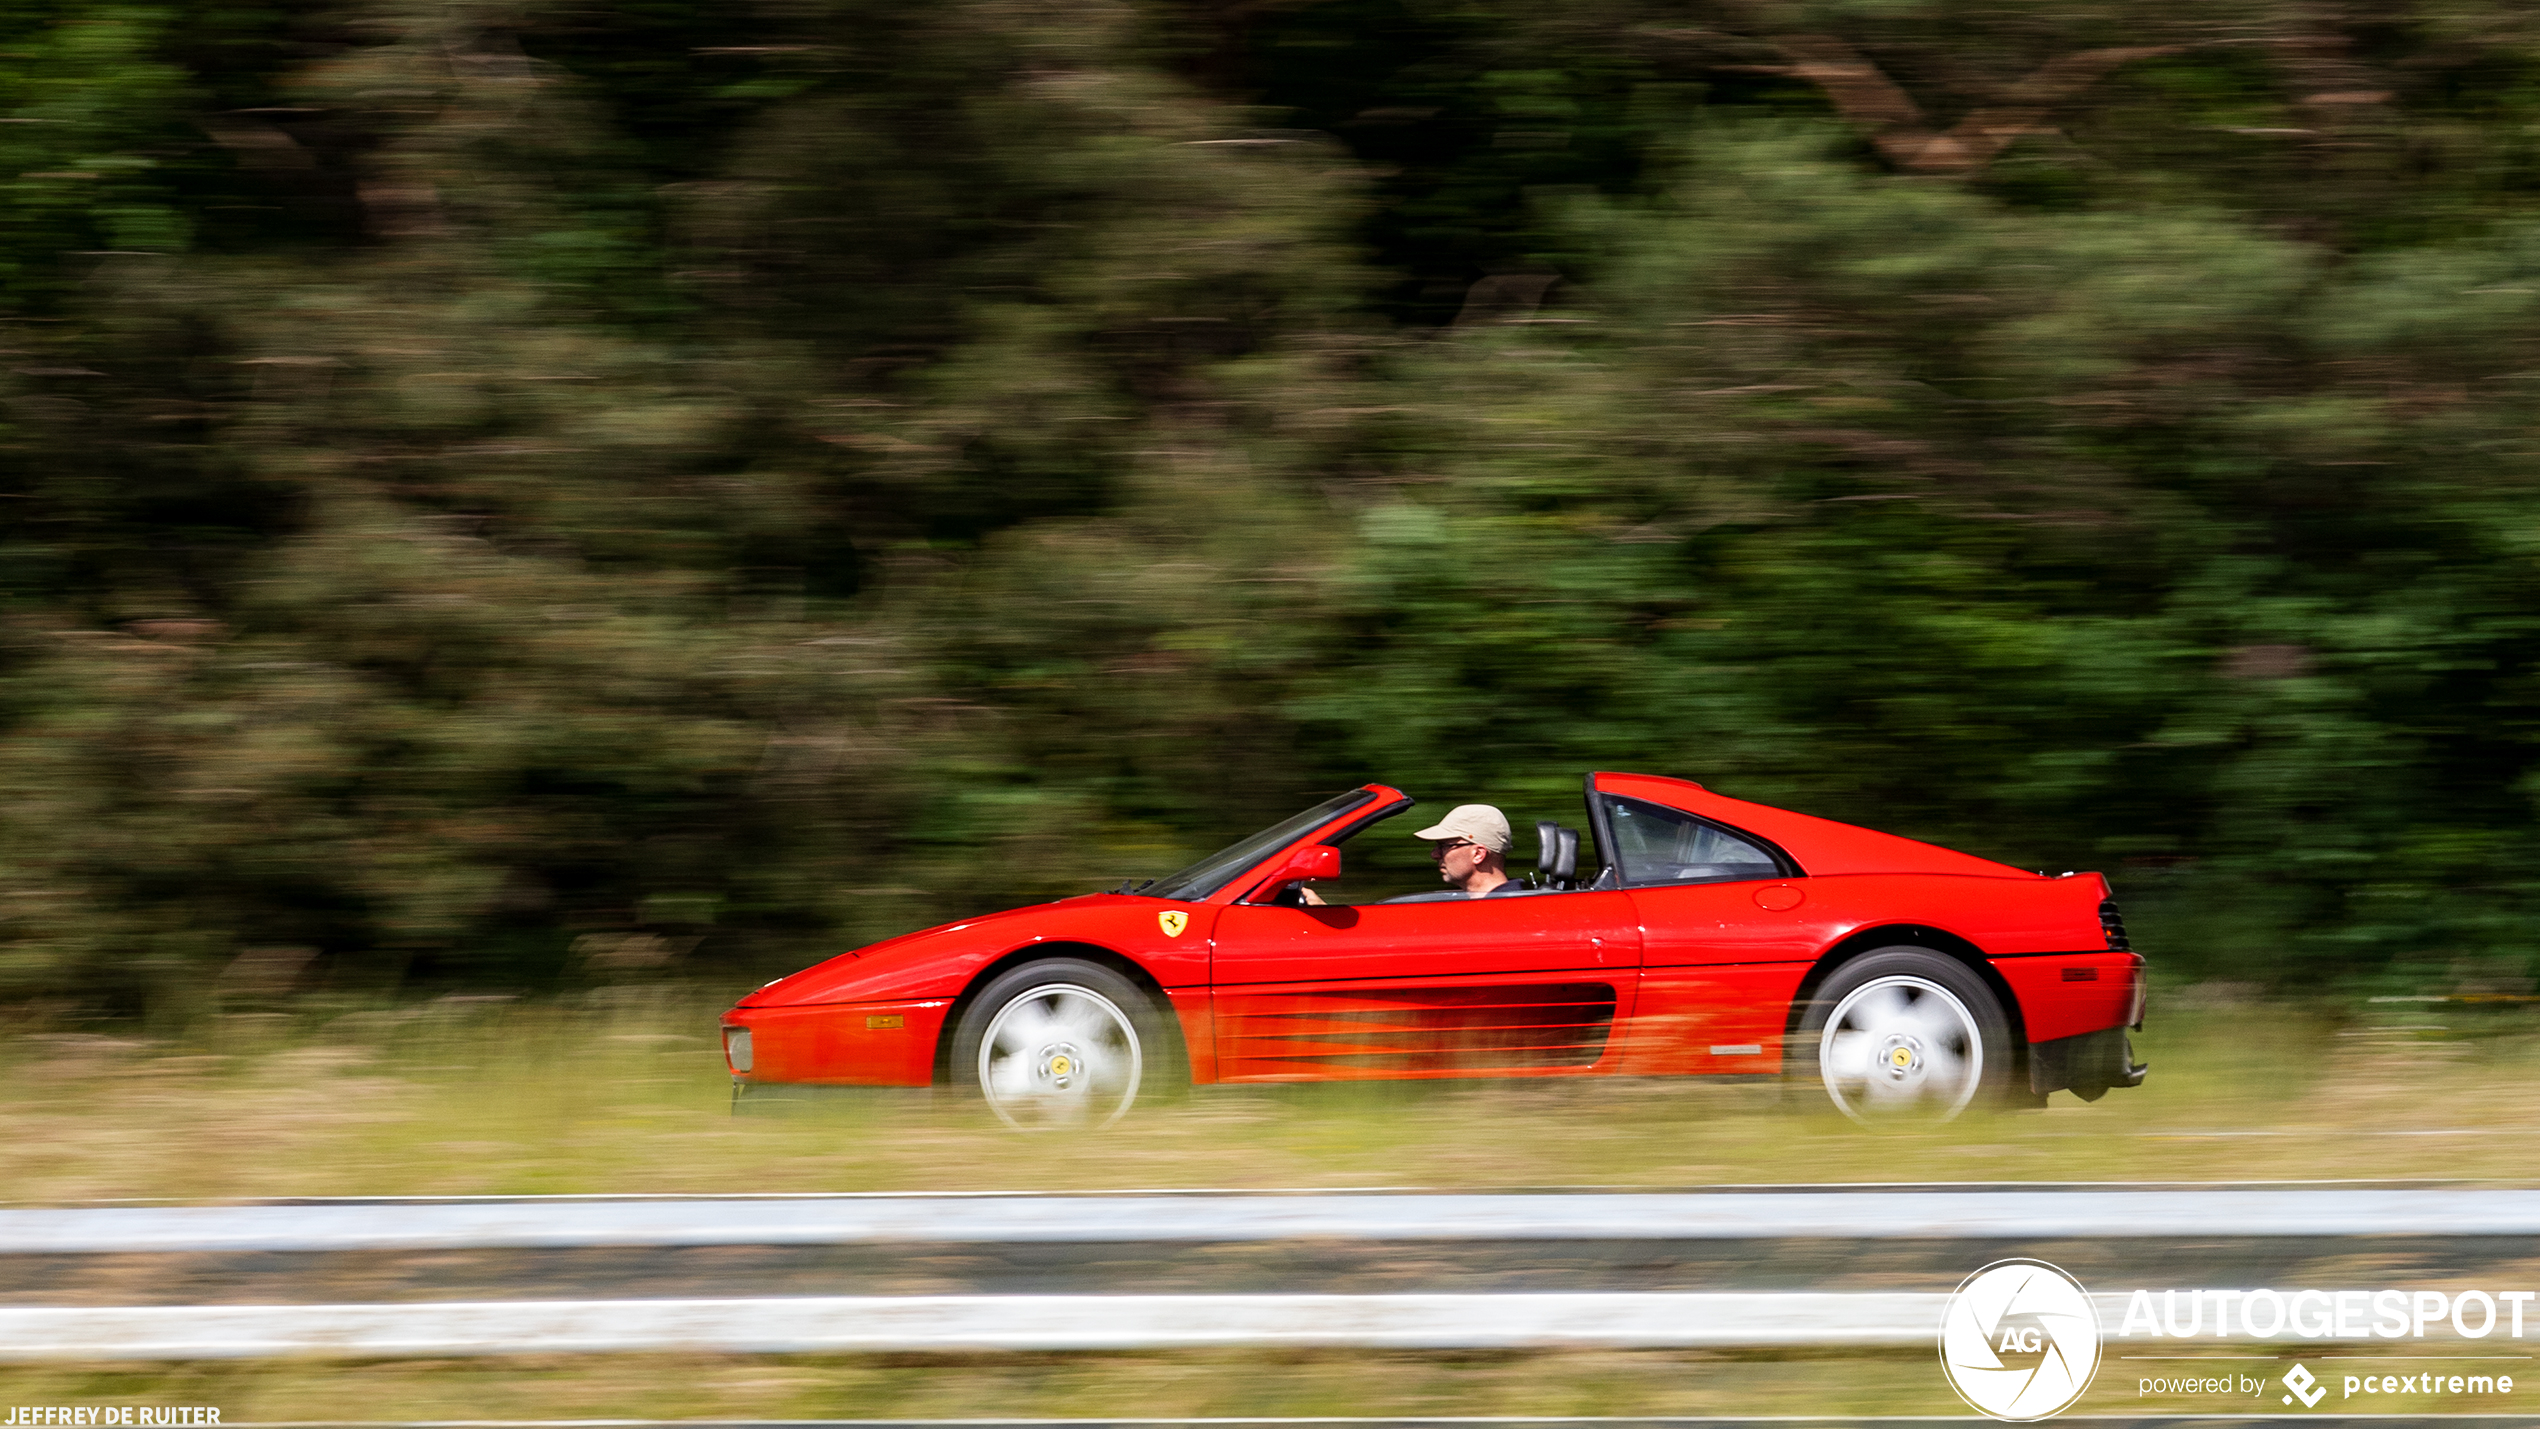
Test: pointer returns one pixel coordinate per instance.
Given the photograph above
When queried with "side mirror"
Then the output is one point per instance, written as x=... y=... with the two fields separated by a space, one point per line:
x=1314 y=861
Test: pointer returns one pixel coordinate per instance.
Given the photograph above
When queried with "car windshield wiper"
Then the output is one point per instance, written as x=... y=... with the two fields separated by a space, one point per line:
x=1141 y=888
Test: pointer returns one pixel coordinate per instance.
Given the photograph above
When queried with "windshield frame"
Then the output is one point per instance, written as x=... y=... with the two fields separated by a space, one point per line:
x=1210 y=876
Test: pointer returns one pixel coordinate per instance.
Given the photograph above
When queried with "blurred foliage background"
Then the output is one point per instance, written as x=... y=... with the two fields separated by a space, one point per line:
x=518 y=494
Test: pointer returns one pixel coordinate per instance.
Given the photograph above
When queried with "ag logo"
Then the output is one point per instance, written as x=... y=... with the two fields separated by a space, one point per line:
x=1173 y=922
x=2020 y=1340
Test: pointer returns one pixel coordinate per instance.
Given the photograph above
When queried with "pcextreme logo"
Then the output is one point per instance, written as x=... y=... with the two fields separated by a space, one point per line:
x=2020 y=1340
x=2305 y=1385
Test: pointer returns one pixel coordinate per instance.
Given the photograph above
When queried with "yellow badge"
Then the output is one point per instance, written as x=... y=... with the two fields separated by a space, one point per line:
x=1173 y=922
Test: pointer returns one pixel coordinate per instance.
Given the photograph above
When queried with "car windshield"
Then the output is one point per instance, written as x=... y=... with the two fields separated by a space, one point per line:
x=1218 y=869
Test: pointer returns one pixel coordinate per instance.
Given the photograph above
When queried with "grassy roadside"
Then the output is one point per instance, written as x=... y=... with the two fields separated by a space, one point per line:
x=627 y=1094
x=1186 y=1384
x=1083 y=1386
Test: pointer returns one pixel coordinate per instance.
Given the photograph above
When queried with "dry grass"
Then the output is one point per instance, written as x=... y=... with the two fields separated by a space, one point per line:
x=1082 y=1386
x=628 y=1095
x=1180 y=1385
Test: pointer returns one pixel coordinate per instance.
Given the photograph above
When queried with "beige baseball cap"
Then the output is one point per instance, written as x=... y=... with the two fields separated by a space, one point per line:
x=1480 y=823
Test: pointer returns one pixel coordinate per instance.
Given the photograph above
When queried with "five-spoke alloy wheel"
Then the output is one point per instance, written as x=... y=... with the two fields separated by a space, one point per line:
x=1060 y=1043
x=1907 y=1035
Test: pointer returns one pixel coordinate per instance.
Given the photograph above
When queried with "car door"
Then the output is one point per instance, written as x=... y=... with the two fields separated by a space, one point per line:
x=1725 y=939
x=1532 y=984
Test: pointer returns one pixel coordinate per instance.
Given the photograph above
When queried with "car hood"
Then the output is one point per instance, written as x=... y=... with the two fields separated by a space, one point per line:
x=931 y=962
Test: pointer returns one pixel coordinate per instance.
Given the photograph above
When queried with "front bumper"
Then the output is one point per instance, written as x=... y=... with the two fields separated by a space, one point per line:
x=874 y=1044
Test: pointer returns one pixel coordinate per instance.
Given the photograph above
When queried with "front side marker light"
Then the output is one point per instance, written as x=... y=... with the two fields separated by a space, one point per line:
x=736 y=1048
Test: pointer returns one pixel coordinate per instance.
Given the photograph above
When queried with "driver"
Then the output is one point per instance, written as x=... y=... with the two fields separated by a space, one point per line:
x=1472 y=850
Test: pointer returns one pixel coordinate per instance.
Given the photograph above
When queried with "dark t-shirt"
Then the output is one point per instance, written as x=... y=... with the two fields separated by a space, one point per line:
x=1457 y=895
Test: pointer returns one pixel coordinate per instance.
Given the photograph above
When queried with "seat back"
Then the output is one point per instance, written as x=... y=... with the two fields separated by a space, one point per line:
x=1556 y=853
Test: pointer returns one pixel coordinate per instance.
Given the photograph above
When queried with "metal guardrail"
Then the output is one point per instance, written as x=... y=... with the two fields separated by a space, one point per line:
x=969 y=1322
x=1236 y=1217
x=1490 y=1225
x=956 y=1323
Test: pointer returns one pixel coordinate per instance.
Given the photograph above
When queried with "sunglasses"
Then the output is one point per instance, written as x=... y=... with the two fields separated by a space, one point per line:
x=1443 y=847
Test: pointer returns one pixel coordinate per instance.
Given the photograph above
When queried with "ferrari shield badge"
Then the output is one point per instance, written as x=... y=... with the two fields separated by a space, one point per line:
x=1173 y=922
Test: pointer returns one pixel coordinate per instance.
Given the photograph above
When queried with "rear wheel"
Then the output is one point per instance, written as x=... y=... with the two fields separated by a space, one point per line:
x=1061 y=1043
x=1907 y=1035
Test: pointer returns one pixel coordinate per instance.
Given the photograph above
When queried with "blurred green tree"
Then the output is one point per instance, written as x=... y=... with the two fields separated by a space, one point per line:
x=492 y=486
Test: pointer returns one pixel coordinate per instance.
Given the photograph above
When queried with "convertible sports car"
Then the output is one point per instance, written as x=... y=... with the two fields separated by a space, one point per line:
x=1707 y=937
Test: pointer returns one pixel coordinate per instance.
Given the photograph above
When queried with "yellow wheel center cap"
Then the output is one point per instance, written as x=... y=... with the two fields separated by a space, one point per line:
x=1901 y=1058
x=1060 y=1066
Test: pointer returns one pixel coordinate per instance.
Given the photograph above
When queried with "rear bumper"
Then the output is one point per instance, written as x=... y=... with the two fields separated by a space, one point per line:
x=2087 y=1065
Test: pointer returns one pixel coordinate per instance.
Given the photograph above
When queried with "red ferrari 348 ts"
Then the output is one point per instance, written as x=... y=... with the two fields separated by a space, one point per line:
x=1708 y=937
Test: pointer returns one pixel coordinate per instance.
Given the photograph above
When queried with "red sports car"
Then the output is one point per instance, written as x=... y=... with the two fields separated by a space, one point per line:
x=1707 y=937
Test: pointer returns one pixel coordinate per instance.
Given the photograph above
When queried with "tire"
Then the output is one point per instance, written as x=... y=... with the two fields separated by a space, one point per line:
x=1905 y=1036
x=1062 y=1044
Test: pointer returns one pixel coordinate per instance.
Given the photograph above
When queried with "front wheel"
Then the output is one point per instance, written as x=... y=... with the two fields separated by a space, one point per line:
x=1907 y=1035
x=1060 y=1043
